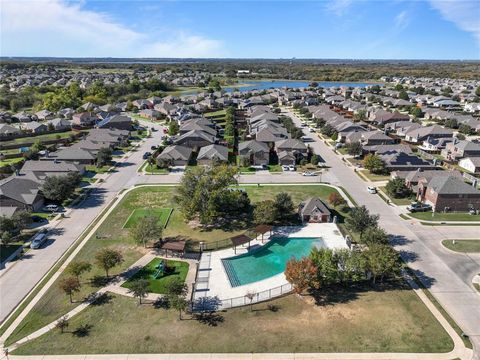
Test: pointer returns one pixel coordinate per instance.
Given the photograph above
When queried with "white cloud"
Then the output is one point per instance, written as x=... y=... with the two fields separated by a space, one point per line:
x=57 y=28
x=338 y=7
x=465 y=14
x=401 y=20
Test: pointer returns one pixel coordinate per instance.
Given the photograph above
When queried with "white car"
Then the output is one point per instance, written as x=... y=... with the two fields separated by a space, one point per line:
x=285 y=168
x=51 y=207
x=309 y=173
x=372 y=189
x=38 y=240
x=291 y=167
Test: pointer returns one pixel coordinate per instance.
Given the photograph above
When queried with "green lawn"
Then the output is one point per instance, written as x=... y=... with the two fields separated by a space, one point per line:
x=111 y=234
x=177 y=270
x=12 y=161
x=464 y=246
x=445 y=216
x=97 y=170
x=162 y=213
x=44 y=137
x=353 y=320
x=397 y=201
x=219 y=113
x=374 y=177
x=275 y=168
x=149 y=169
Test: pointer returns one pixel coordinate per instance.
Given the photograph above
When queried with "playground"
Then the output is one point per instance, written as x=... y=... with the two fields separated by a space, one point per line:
x=158 y=273
x=163 y=214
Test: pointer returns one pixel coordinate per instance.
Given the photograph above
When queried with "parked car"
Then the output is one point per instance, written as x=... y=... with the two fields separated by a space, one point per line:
x=418 y=207
x=51 y=208
x=372 y=189
x=285 y=167
x=291 y=167
x=312 y=130
x=38 y=240
x=309 y=173
x=146 y=155
x=153 y=148
x=259 y=167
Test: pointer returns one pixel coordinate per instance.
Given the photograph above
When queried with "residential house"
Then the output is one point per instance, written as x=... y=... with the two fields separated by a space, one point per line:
x=471 y=164
x=34 y=127
x=314 y=210
x=196 y=139
x=83 y=119
x=212 y=154
x=69 y=154
x=257 y=152
x=120 y=122
x=425 y=132
x=175 y=155
x=60 y=124
x=41 y=169
x=459 y=149
x=8 y=130
x=21 y=192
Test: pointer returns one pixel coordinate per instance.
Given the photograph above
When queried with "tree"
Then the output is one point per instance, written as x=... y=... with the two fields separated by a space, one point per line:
x=173 y=128
x=374 y=235
x=381 y=261
x=325 y=262
x=465 y=129
x=397 y=188
x=335 y=199
x=327 y=130
x=179 y=303
x=206 y=194
x=164 y=163
x=314 y=159
x=108 y=258
x=399 y=87
x=104 y=156
x=69 y=286
x=283 y=206
x=139 y=289
x=21 y=219
x=146 y=229
x=416 y=112
x=265 y=212
x=360 y=219
x=354 y=148
x=403 y=95
x=62 y=324
x=302 y=274
x=361 y=115
x=60 y=188
x=229 y=129
x=374 y=164
x=77 y=268
x=350 y=265
x=451 y=123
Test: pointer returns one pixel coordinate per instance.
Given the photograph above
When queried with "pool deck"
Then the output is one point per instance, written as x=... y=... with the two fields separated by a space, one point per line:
x=212 y=279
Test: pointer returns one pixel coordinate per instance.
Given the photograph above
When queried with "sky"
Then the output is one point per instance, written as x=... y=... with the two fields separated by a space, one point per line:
x=329 y=29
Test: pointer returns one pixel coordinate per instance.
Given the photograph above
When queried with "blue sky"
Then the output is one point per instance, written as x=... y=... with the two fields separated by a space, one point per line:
x=421 y=29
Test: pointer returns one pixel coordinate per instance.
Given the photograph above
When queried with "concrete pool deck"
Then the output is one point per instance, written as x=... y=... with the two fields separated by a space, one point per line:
x=212 y=279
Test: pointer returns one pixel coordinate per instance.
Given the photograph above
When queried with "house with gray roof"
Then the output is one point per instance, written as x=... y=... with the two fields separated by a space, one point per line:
x=42 y=169
x=258 y=153
x=459 y=149
x=21 y=192
x=196 y=139
x=60 y=124
x=314 y=210
x=212 y=153
x=422 y=133
x=175 y=155
x=75 y=155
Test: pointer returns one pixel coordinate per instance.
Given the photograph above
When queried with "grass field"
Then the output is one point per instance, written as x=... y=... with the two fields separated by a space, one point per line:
x=445 y=216
x=374 y=177
x=149 y=169
x=162 y=213
x=44 y=137
x=354 y=320
x=11 y=161
x=111 y=234
x=396 y=201
x=464 y=246
x=179 y=270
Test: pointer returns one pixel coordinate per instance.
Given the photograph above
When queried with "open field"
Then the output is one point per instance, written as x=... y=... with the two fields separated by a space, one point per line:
x=357 y=320
x=111 y=234
x=464 y=246
x=162 y=213
x=158 y=286
x=445 y=216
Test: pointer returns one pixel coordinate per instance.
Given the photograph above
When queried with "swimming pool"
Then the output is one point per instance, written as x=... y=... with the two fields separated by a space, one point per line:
x=269 y=260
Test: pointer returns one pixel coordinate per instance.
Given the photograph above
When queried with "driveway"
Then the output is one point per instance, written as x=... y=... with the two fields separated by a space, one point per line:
x=447 y=275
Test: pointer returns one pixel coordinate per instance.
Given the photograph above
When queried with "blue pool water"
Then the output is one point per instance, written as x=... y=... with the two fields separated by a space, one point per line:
x=269 y=260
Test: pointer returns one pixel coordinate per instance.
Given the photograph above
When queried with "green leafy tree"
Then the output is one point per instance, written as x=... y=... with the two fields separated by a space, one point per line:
x=403 y=95
x=108 y=258
x=451 y=123
x=69 y=286
x=173 y=128
x=60 y=188
x=179 y=303
x=360 y=219
x=397 y=188
x=350 y=265
x=327 y=130
x=314 y=159
x=175 y=287
x=146 y=229
x=335 y=199
x=139 y=289
x=265 y=212
x=77 y=268
x=465 y=129
x=104 y=156
x=361 y=115
x=374 y=164
x=381 y=261
x=374 y=235
x=354 y=148
x=283 y=206
x=327 y=268
x=416 y=112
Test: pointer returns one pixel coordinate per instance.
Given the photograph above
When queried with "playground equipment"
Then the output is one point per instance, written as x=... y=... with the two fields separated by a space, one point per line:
x=160 y=269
